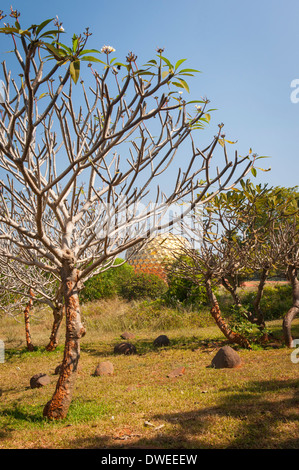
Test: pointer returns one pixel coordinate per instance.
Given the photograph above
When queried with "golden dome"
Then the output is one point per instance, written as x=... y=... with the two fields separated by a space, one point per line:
x=155 y=253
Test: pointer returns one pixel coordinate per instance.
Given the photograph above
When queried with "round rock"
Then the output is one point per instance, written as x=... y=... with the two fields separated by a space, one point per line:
x=162 y=340
x=227 y=358
x=127 y=335
x=39 y=380
x=104 y=368
x=125 y=348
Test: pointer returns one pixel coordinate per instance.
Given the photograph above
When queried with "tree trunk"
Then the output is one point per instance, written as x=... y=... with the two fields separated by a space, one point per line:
x=30 y=346
x=58 y=313
x=232 y=289
x=294 y=310
x=260 y=321
x=216 y=314
x=57 y=407
x=256 y=318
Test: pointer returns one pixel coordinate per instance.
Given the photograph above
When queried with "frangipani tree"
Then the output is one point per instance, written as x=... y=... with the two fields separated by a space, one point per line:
x=81 y=164
x=252 y=229
x=23 y=284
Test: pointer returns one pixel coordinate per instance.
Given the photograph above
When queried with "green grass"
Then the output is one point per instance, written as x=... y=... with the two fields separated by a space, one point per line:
x=255 y=406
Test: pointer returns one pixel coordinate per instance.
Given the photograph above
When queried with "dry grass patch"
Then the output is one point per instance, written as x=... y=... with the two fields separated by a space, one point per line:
x=255 y=406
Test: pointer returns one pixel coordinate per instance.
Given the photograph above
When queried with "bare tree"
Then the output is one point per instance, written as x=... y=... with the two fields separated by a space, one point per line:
x=28 y=284
x=83 y=164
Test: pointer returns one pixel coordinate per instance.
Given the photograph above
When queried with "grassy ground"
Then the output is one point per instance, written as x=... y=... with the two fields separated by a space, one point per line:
x=255 y=406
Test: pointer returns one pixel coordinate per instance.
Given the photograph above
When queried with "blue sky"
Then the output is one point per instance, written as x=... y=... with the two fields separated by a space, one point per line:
x=248 y=53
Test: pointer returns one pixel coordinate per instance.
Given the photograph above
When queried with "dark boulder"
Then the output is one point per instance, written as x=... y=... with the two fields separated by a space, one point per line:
x=39 y=380
x=125 y=348
x=162 y=340
x=226 y=357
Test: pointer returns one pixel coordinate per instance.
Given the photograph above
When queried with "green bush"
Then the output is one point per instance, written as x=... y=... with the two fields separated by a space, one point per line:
x=239 y=324
x=124 y=282
x=106 y=284
x=184 y=291
x=142 y=286
x=275 y=302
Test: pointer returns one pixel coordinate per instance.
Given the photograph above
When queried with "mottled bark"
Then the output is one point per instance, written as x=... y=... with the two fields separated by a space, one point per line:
x=58 y=313
x=57 y=407
x=30 y=346
x=222 y=325
x=294 y=310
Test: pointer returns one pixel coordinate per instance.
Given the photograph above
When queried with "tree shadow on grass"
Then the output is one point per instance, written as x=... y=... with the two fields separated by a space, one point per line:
x=14 y=417
x=259 y=420
x=146 y=346
x=38 y=351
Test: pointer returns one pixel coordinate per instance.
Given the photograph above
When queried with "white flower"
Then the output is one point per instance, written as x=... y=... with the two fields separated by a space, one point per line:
x=107 y=49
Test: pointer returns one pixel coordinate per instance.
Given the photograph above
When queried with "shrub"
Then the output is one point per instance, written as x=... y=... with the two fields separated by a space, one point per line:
x=242 y=326
x=107 y=284
x=124 y=282
x=184 y=291
x=275 y=302
x=142 y=286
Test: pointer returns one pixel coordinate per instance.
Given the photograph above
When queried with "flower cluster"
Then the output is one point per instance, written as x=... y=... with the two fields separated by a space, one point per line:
x=107 y=49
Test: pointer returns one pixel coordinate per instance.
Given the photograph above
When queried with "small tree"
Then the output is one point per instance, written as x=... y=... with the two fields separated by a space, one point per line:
x=215 y=254
x=27 y=284
x=83 y=164
x=256 y=221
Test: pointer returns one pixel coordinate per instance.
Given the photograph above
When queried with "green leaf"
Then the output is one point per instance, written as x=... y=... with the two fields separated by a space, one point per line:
x=24 y=32
x=144 y=72
x=151 y=62
x=263 y=169
x=253 y=171
x=167 y=62
x=121 y=64
x=196 y=101
x=42 y=25
x=177 y=84
x=57 y=53
x=51 y=33
x=190 y=70
x=43 y=95
x=184 y=84
x=208 y=117
x=9 y=30
x=75 y=43
x=64 y=47
x=75 y=70
x=89 y=58
x=88 y=51
x=179 y=62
